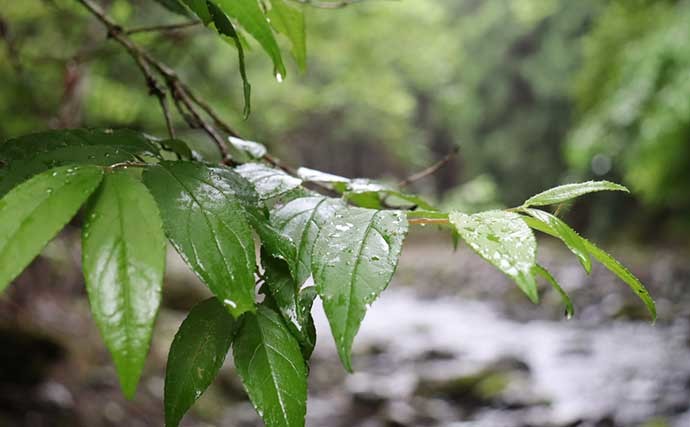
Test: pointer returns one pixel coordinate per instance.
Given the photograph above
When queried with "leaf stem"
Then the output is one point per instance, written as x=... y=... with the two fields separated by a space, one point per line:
x=425 y=221
x=168 y=27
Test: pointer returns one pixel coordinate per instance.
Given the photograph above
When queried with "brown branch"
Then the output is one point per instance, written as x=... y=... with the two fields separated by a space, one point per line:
x=430 y=170
x=168 y=27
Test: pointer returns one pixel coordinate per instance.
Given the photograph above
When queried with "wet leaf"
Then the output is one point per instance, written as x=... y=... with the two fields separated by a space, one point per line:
x=504 y=240
x=205 y=221
x=270 y=363
x=569 y=310
x=301 y=219
x=569 y=236
x=608 y=261
x=123 y=257
x=249 y=15
x=178 y=147
x=353 y=261
x=35 y=211
x=254 y=149
x=196 y=355
x=289 y=20
x=566 y=192
x=32 y=154
x=225 y=27
x=313 y=175
x=293 y=303
x=269 y=182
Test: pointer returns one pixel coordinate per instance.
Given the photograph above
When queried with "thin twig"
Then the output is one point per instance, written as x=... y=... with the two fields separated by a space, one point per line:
x=430 y=170
x=424 y=221
x=168 y=27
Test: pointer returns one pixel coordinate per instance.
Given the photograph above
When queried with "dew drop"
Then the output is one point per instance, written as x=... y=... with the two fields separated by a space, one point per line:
x=279 y=77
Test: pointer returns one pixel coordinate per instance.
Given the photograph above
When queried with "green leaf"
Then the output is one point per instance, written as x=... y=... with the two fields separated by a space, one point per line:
x=569 y=236
x=253 y=149
x=225 y=27
x=353 y=261
x=569 y=310
x=269 y=182
x=504 y=240
x=608 y=261
x=200 y=8
x=250 y=16
x=566 y=192
x=35 y=211
x=174 y=6
x=289 y=21
x=178 y=147
x=203 y=219
x=123 y=257
x=302 y=219
x=29 y=155
x=270 y=363
x=196 y=355
x=293 y=303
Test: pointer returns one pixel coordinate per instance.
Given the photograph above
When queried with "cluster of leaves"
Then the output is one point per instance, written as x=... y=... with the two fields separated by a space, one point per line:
x=136 y=192
x=258 y=18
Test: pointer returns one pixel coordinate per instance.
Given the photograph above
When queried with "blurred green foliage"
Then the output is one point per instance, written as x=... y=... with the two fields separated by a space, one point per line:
x=535 y=92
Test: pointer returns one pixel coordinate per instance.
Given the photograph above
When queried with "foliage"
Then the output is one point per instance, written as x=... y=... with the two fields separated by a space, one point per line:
x=347 y=234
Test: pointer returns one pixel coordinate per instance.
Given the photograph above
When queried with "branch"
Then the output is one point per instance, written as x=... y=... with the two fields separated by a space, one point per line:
x=168 y=27
x=430 y=170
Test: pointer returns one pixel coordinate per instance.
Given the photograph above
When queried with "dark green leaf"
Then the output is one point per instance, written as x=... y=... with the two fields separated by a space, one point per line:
x=32 y=154
x=569 y=310
x=301 y=219
x=204 y=220
x=353 y=261
x=269 y=182
x=291 y=302
x=250 y=16
x=178 y=147
x=608 y=261
x=196 y=355
x=270 y=363
x=569 y=236
x=35 y=211
x=289 y=21
x=174 y=6
x=200 y=8
x=566 y=192
x=504 y=240
x=123 y=256
x=225 y=27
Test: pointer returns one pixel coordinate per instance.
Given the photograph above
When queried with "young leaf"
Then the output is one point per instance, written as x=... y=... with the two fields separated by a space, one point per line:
x=269 y=182
x=291 y=302
x=225 y=27
x=504 y=240
x=254 y=149
x=205 y=222
x=608 y=261
x=569 y=310
x=196 y=355
x=32 y=154
x=569 y=236
x=353 y=261
x=301 y=219
x=270 y=363
x=35 y=211
x=250 y=16
x=123 y=257
x=566 y=192
x=289 y=21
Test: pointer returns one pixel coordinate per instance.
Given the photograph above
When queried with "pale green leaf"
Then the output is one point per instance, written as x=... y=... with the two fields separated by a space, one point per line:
x=569 y=310
x=289 y=20
x=35 y=211
x=566 y=192
x=270 y=363
x=569 y=236
x=504 y=240
x=204 y=220
x=269 y=182
x=353 y=261
x=302 y=219
x=196 y=355
x=123 y=257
